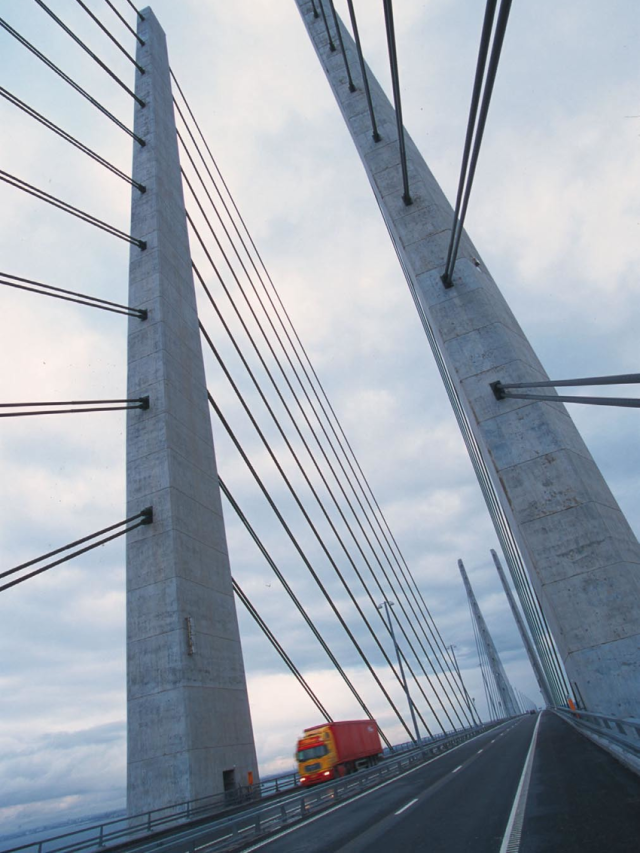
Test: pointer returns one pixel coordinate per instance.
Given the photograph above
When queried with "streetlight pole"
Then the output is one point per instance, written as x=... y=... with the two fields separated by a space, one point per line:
x=386 y=604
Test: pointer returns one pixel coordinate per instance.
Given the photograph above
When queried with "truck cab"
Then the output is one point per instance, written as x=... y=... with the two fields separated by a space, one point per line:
x=316 y=757
x=334 y=749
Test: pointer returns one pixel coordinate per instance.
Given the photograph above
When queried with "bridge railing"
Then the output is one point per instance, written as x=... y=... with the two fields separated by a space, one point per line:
x=122 y=828
x=226 y=805
x=623 y=733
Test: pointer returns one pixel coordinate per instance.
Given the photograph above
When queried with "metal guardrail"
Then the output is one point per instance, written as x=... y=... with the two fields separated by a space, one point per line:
x=126 y=829
x=623 y=733
x=119 y=830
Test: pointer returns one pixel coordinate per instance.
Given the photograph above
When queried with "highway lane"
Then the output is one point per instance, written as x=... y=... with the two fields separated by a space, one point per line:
x=581 y=799
x=459 y=802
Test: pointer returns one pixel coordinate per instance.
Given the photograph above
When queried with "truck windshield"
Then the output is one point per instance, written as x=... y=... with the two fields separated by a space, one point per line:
x=312 y=752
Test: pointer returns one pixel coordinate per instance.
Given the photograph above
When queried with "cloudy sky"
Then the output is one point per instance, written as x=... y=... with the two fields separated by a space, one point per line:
x=555 y=212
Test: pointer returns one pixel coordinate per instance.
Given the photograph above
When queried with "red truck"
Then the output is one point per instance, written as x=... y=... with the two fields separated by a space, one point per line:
x=331 y=750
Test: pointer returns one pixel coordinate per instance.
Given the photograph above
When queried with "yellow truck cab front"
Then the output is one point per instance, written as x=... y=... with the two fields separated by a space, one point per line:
x=316 y=756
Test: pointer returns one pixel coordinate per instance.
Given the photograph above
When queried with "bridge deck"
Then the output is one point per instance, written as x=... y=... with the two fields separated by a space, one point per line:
x=579 y=799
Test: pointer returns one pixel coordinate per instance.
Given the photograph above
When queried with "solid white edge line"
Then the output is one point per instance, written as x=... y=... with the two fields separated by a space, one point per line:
x=521 y=789
x=348 y=802
x=404 y=808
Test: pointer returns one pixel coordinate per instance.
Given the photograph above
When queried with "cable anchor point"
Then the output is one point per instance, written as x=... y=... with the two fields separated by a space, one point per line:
x=498 y=391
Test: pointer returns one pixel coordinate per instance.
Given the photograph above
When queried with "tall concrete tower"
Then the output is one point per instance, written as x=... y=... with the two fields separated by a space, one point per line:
x=189 y=727
x=505 y=691
x=582 y=557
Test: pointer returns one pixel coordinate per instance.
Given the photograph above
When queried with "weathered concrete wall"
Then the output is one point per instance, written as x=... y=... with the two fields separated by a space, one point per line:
x=188 y=710
x=581 y=555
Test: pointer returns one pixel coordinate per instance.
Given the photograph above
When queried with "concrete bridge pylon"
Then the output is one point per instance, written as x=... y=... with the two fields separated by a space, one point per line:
x=189 y=725
x=581 y=556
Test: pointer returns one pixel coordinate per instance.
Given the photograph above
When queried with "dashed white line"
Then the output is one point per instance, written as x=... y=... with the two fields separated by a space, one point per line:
x=404 y=808
x=457 y=768
x=480 y=750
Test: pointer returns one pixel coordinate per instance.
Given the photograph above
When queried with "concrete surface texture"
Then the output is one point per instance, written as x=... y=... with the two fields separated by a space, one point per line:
x=188 y=710
x=580 y=552
x=505 y=691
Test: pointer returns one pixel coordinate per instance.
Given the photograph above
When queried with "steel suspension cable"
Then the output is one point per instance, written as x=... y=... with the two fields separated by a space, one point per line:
x=363 y=71
x=23 y=41
x=94 y=406
x=298 y=463
x=138 y=13
x=18 y=183
x=445 y=672
x=279 y=427
x=68 y=138
x=297 y=603
x=496 y=48
x=145 y=517
x=307 y=518
x=110 y=35
x=277 y=646
x=395 y=82
x=68 y=295
x=483 y=51
x=145 y=513
x=352 y=87
x=292 y=367
x=88 y=50
x=124 y=21
x=332 y=46
x=295 y=423
x=303 y=439
x=440 y=643
x=302 y=555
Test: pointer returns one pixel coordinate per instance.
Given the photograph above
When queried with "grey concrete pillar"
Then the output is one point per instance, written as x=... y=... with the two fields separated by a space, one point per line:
x=189 y=727
x=581 y=555
x=503 y=686
x=524 y=635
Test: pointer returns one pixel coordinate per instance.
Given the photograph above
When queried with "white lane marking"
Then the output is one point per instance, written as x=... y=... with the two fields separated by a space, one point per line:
x=457 y=768
x=511 y=840
x=404 y=808
x=480 y=750
x=348 y=802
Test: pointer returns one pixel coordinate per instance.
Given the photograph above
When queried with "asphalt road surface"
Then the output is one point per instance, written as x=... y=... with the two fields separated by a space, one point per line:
x=579 y=800
x=460 y=801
